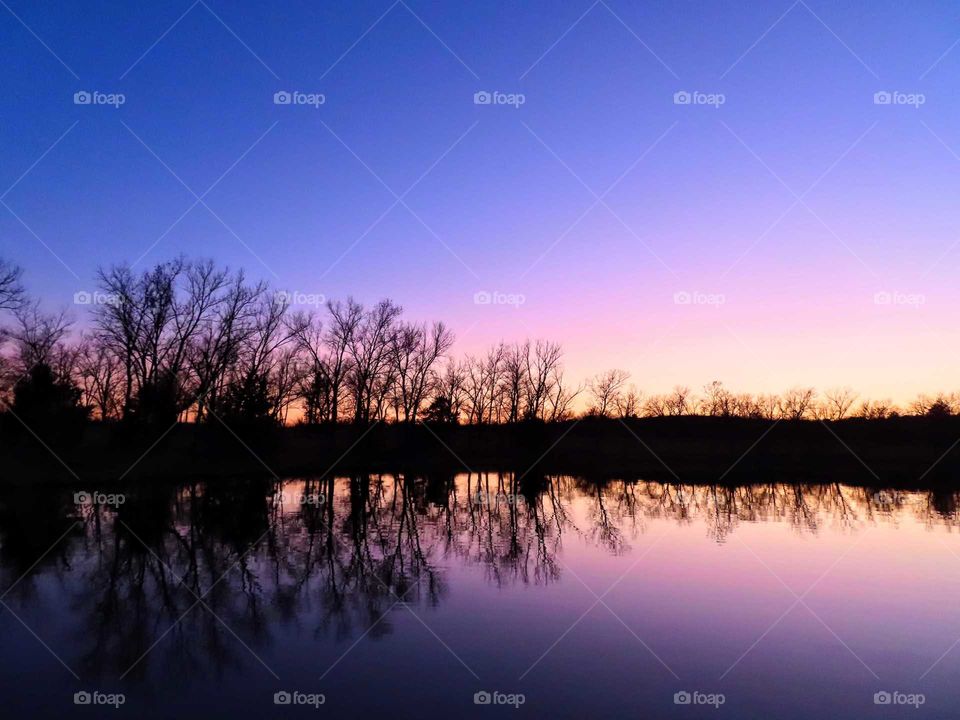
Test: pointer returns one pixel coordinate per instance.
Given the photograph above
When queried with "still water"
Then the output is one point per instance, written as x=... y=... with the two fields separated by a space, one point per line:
x=479 y=595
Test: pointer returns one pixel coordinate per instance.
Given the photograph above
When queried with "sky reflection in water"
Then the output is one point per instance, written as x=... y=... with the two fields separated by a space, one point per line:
x=408 y=595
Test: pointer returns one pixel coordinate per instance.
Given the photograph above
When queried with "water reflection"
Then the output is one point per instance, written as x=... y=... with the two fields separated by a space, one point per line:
x=171 y=579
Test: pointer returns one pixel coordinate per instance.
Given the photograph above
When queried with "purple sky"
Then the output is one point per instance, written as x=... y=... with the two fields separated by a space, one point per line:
x=786 y=226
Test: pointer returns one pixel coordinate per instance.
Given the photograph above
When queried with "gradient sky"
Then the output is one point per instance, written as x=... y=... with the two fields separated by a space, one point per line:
x=795 y=202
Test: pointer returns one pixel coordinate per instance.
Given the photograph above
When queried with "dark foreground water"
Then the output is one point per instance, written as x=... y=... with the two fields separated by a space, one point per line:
x=473 y=596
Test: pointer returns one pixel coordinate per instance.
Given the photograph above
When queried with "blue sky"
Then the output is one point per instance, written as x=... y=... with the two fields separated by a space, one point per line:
x=504 y=198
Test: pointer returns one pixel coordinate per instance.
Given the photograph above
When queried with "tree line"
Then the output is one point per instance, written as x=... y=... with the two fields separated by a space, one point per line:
x=191 y=341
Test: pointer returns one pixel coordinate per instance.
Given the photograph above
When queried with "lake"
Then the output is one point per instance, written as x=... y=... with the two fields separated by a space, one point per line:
x=479 y=595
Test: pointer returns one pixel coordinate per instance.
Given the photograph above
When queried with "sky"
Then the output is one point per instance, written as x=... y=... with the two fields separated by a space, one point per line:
x=786 y=226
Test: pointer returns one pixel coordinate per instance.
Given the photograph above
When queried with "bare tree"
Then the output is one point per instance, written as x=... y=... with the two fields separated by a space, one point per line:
x=314 y=388
x=837 y=403
x=36 y=337
x=369 y=351
x=938 y=405
x=515 y=380
x=12 y=295
x=285 y=379
x=120 y=322
x=415 y=350
x=747 y=406
x=877 y=410
x=561 y=398
x=216 y=348
x=797 y=403
x=542 y=363
x=136 y=323
x=655 y=406
x=192 y=339
x=717 y=401
x=100 y=378
x=449 y=396
x=630 y=403
x=678 y=401
x=345 y=319
x=770 y=406
x=483 y=385
x=606 y=391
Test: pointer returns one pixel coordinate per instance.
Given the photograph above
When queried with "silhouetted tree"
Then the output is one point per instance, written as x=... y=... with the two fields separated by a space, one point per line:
x=678 y=401
x=100 y=375
x=629 y=404
x=877 y=410
x=48 y=405
x=560 y=397
x=543 y=360
x=606 y=390
x=12 y=295
x=939 y=408
x=187 y=340
x=37 y=337
x=158 y=401
x=369 y=350
x=247 y=401
x=440 y=411
x=414 y=351
x=837 y=403
x=717 y=401
x=448 y=387
x=797 y=403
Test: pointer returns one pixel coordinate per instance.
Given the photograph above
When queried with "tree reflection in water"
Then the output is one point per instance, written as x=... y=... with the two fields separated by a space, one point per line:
x=168 y=577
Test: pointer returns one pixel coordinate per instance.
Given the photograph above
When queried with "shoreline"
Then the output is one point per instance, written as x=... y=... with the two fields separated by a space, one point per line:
x=912 y=452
